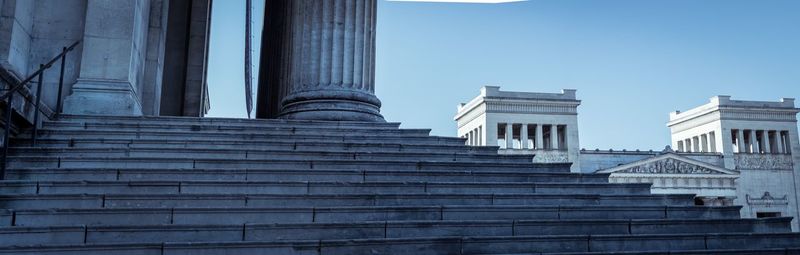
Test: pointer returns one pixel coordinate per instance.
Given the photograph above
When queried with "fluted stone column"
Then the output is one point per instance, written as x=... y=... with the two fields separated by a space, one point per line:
x=509 y=136
x=523 y=136
x=326 y=65
x=713 y=141
x=539 y=137
x=754 y=142
x=740 y=140
x=554 y=137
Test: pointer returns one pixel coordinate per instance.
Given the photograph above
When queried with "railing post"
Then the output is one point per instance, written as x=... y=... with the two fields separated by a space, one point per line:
x=61 y=82
x=7 y=131
x=36 y=106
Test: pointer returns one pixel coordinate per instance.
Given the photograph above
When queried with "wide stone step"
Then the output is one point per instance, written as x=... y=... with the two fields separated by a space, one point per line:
x=223 y=121
x=233 y=128
x=268 y=215
x=209 y=153
x=220 y=174
x=296 y=188
x=51 y=235
x=85 y=201
x=17 y=162
x=537 y=244
x=203 y=135
x=176 y=143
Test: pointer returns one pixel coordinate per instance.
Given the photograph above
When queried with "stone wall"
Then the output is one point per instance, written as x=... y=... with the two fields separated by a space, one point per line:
x=16 y=26
x=119 y=67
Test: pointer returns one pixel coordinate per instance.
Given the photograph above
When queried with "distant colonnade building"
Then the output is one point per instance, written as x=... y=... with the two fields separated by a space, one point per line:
x=728 y=152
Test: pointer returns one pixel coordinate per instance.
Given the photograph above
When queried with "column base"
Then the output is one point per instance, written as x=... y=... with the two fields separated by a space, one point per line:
x=102 y=97
x=332 y=105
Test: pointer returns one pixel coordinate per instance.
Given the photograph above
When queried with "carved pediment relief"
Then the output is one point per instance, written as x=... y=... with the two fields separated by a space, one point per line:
x=668 y=164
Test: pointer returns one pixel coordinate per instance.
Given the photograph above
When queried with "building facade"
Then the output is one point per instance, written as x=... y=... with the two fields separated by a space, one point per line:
x=757 y=139
x=544 y=124
x=728 y=152
x=135 y=57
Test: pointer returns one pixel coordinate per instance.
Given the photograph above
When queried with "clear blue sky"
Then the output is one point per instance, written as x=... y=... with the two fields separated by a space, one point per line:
x=632 y=61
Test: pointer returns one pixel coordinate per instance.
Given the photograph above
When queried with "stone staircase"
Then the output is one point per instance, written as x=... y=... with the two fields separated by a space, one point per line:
x=125 y=185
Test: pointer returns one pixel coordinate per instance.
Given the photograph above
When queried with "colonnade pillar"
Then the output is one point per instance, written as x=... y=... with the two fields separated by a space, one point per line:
x=539 y=137
x=509 y=136
x=523 y=137
x=740 y=140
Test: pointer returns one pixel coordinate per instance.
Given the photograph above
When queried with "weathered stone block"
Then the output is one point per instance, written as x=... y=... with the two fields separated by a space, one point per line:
x=646 y=243
x=159 y=234
x=448 y=228
x=22 y=236
x=571 y=227
x=58 y=217
x=232 y=216
x=288 y=248
x=317 y=231
x=524 y=244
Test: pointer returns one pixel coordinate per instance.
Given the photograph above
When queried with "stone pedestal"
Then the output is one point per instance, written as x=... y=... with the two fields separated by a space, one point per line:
x=113 y=57
x=327 y=67
x=102 y=97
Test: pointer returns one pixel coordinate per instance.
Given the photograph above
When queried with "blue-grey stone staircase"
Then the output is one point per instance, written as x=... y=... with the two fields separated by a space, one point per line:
x=171 y=185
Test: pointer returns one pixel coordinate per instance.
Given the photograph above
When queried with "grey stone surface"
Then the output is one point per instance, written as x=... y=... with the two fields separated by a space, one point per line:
x=448 y=228
x=57 y=217
x=573 y=227
x=319 y=231
x=509 y=245
x=157 y=234
x=288 y=248
x=22 y=236
x=646 y=243
x=6 y=218
x=243 y=215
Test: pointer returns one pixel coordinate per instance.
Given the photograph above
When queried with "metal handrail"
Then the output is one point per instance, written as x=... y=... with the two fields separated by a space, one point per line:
x=9 y=97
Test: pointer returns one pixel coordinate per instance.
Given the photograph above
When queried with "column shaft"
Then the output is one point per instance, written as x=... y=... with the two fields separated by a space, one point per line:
x=480 y=136
x=688 y=144
x=712 y=141
x=704 y=143
x=539 y=137
x=767 y=142
x=554 y=137
x=740 y=140
x=523 y=137
x=509 y=136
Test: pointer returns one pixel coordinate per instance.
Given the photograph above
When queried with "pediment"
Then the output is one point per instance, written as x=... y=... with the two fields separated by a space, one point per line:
x=671 y=164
